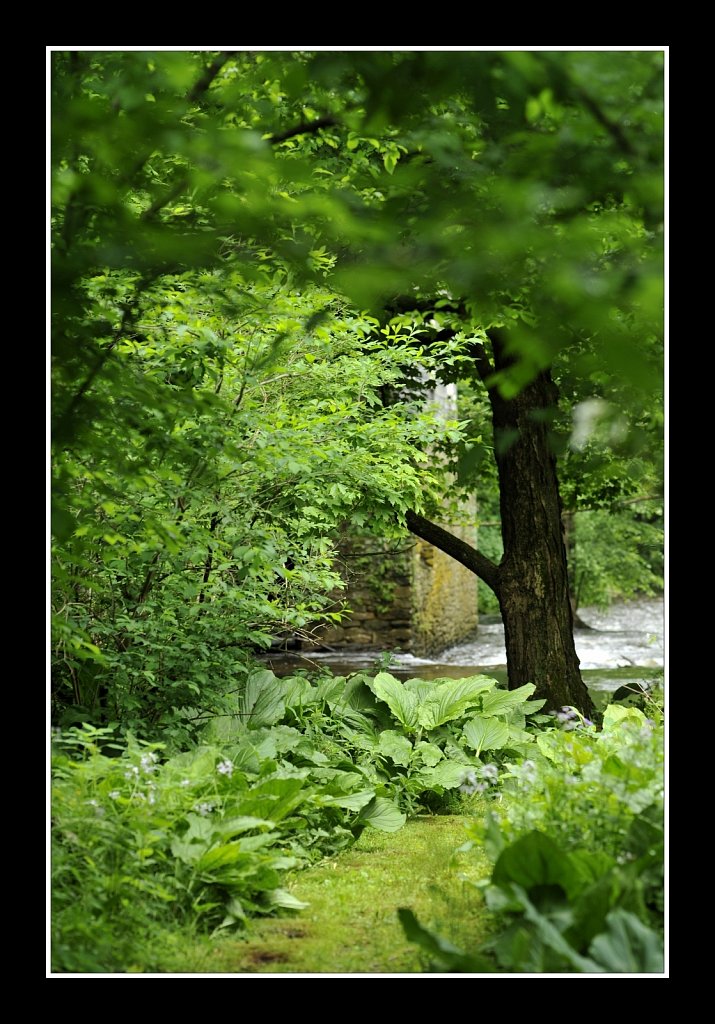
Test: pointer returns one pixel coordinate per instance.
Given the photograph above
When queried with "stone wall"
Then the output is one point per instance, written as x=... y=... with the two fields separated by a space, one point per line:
x=379 y=590
x=444 y=596
x=409 y=596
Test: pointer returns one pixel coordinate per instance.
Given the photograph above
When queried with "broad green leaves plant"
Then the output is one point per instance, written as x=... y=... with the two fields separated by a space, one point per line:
x=486 y=733
x=425 y=707
x=577 y=843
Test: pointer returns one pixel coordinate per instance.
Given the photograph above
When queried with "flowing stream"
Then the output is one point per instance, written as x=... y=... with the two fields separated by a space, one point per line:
x=623 y=646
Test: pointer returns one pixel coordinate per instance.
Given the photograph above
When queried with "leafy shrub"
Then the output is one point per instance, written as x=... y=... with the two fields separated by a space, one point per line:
x=294 y=773
x=578 y=850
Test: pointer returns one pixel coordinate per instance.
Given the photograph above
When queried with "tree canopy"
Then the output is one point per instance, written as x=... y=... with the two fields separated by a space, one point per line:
x=252 y=253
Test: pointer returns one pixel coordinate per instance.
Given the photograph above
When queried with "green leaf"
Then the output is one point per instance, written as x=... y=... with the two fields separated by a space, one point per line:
x=383 y=814
x=350 y=801
x=486 y=734
x=501 y=702
x=395 y=746
x=286 y=900
x=274 y=798
x=532 y=706
x=243 y=823
x=330 y=689
x=400 y=701
x=429 y=752
x=356 y=695
x=536 y=860
x=616 y=713
x=262 y=702
x=438 y=948
x=628 y=946
x=390 y=161
x=446 y=774
x=421 y=687
x=552 y=937
x=223 y=856
x=451 y=699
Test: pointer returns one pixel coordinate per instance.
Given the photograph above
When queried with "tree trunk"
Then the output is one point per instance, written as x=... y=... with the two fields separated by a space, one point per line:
x=533 y=588
x=531 y=581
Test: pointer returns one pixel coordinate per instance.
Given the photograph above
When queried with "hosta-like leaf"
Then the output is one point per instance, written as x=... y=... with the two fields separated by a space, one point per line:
x=421 y=687
x=221 y=856
x=274 y=798
x=628 y=946
x=297 y=691
x=501 y=702
x=251 y=843
x=550 y=935
x=285 y=899
x=262 y=702
x=440 y=949
x=395 y=746
x=350 y=801
x=429 y=752
x=330 y=689
x=243 y=823
x=535 y=860
x=517 y=737
x=486 y=734
x=452 y=699
x=532 y=706
x=615 y=714
x=356 y=695
x=401 y=702
x=383 y=814
x=446 y=774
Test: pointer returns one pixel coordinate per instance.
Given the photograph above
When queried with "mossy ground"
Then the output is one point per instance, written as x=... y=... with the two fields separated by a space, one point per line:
x=351 y=924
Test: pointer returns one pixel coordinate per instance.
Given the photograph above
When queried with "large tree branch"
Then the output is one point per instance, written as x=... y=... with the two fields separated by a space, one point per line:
x=462 y=552
x=202 y=84
x=304 y=128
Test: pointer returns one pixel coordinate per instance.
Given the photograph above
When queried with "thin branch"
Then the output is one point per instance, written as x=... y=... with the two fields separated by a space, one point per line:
x=456 y=548
x=304 y=128
x=612 y=127
x=389 y=551
x=208 y=76
x=482 y=361
x=605 y=508
x=161 y=201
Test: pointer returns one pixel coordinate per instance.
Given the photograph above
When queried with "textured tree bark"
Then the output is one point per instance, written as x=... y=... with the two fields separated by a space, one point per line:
x=531 y=581
x=533 y=587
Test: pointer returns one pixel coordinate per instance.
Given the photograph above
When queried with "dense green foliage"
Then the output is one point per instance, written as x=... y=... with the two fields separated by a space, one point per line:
x=295 y=773
x=220 y=407
x=210 y=531
x=578 y=852
x=262 y=262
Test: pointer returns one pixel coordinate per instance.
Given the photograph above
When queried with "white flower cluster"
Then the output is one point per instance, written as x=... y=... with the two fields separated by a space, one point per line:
x=488 y=772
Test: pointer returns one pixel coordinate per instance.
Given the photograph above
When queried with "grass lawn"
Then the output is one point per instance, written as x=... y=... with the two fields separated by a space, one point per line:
x=351 y=925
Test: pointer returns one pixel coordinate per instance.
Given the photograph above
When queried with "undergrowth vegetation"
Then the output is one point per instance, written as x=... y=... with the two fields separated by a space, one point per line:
x=204 y=837
x=146 y=838
x=578 y=850
x=271 y=274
